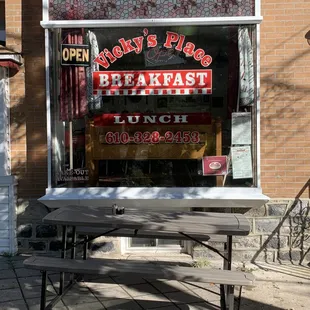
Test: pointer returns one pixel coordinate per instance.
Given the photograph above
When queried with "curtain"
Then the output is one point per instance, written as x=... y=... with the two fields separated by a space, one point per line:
x=73 y=96
x=233 y=68
x=246 y=68
x=94 y=101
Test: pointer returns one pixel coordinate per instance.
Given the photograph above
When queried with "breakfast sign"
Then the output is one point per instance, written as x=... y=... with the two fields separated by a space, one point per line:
x=152 y=82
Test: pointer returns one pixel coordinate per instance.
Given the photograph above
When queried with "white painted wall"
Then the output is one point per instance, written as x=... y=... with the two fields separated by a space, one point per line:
x=4 y=122
x=8 y=243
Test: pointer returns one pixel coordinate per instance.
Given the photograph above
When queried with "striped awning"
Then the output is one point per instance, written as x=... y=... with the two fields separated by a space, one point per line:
x=9 y=64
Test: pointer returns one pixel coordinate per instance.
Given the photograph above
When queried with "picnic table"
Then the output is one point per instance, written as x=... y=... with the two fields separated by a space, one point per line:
x=197 y=226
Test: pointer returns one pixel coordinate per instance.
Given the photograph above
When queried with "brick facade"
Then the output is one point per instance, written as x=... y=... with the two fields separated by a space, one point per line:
x=27 y=97
x=285 y=139
x=285 y=96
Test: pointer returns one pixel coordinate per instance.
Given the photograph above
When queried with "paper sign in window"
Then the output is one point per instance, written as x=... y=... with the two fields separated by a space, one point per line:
x=241 y=128
x=241 y=162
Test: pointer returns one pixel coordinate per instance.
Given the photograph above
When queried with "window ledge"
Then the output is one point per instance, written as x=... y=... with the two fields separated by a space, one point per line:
x=156 y=197
x=16 y=58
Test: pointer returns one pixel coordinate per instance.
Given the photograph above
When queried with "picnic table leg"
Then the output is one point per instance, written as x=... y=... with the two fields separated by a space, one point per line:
x=85 y=246
x=43 y=290
x=73 y=249
x=229 y=288
x=63 y=255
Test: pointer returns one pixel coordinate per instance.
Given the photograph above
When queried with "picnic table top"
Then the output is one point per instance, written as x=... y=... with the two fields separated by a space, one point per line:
x=199 y=223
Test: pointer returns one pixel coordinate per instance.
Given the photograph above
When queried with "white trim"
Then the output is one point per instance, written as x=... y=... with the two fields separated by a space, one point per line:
x=195 y=21
x=160 y=198
x=5 y=162
x=13 y=57
x=257 y=7
x=45 y=7
x=7 y=180
x=12 y=218
x=48 y=110
x=7 y=114
x=175 y=249
x=258 y=153
x=9 y=224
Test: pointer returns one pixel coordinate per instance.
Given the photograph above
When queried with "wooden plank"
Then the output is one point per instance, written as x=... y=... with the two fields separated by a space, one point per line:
x=4 y=243
x=4 y=207
x=5 y=225
x=4 y=219
x=4 y=233
x=112 y=267
x=4 y=198
x=93 y=231
x=199 y=223
x=4 y=250
x=4 y=191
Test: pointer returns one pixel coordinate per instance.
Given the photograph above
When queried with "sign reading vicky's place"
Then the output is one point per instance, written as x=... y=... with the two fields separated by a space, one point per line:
x=152 y=82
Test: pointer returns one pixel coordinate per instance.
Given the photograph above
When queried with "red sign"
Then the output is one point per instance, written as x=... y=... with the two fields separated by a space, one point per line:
x=214 y=165
x=157 y=82
x=110 y=119
x=135 y=45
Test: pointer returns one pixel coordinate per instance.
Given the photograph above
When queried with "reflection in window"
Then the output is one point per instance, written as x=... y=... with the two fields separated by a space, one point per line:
x=151 y=138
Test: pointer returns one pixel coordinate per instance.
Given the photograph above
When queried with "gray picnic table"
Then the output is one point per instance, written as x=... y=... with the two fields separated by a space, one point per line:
x=197 y=226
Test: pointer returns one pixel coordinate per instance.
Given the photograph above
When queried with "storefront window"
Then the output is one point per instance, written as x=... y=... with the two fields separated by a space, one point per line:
x=154 y=107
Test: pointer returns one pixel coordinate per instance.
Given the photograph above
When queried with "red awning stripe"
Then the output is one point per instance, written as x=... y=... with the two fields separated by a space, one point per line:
x=9 y=64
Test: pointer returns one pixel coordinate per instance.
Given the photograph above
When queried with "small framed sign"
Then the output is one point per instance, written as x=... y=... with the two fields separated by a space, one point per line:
x=77 y=55
x=214 y=165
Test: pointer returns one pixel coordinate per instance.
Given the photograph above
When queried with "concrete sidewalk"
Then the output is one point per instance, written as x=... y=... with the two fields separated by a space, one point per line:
x=279 y=286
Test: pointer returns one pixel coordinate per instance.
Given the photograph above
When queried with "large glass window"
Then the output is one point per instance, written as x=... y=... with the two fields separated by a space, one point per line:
x=154 y=107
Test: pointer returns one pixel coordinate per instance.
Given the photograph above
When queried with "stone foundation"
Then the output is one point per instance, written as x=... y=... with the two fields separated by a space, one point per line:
x=280 y=230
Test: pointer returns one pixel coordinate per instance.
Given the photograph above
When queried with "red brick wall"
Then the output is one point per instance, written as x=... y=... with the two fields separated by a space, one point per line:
x=285 y=97
x=285 y=94
x=27 y=97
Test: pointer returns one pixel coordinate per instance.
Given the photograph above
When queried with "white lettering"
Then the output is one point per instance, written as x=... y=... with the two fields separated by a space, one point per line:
x=178 y=80
x=154 y=79
x=116 y=79
x=104 y=80
x=117 y=120
x=201 y=76
x=141 y=80
x=162 y=119
x=167 y=78
x=180 y=119
x=190 y=79
x=149 y=119
x=131 y=121
x=129 y=79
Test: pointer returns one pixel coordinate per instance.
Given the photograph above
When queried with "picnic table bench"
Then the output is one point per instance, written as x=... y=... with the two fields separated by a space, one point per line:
x=196 y=226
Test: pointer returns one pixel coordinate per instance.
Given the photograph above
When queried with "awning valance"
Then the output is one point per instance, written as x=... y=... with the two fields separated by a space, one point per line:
x=11 y=61
x=9 y=64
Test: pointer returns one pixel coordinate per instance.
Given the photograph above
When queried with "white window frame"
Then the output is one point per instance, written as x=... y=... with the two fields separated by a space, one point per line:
x=152 y=197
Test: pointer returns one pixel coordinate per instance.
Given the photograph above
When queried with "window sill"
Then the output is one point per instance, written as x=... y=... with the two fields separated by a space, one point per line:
x=156 y=197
